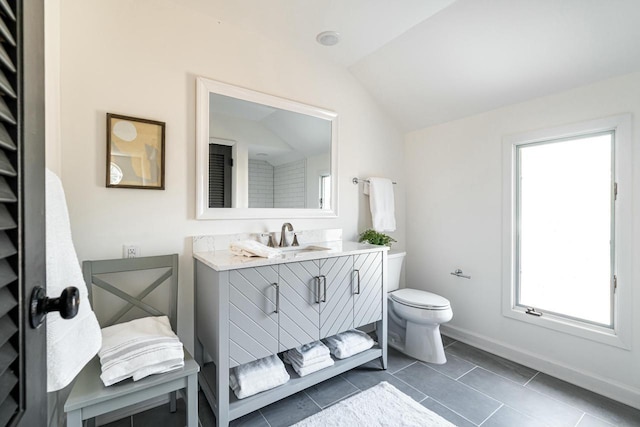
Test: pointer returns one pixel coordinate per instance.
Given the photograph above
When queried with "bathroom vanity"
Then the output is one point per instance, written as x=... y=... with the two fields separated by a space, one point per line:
x=250 y=308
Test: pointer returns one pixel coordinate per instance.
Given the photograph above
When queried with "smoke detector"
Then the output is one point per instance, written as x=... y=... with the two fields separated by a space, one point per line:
x=328 y=38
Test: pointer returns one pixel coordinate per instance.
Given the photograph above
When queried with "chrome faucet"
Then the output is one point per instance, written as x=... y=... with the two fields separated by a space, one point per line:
x=283 y=235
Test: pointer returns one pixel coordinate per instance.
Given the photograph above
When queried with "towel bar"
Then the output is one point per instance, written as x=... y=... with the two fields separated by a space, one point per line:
x=357 y=180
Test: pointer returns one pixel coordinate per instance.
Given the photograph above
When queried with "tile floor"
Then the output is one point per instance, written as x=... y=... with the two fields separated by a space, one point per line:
x=474 y=388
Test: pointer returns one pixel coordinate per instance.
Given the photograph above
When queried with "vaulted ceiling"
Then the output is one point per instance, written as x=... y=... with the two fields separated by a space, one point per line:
x=432 y=61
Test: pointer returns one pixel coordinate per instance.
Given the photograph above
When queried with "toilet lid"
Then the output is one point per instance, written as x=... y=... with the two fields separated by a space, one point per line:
x=422 y=299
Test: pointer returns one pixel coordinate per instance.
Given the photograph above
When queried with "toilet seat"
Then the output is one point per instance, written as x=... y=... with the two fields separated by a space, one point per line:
x=420 y=299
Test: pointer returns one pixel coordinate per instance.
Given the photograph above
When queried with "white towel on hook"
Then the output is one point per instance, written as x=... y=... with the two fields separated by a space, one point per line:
x=382 y=204
x=71 y=343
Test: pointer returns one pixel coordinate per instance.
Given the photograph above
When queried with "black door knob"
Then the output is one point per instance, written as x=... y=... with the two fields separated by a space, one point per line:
x=40 y=305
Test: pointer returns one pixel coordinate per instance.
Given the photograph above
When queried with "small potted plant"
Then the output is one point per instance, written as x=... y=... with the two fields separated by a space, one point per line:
x=376 y=238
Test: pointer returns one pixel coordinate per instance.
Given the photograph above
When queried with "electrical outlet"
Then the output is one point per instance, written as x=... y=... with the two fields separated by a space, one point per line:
x=130 y=251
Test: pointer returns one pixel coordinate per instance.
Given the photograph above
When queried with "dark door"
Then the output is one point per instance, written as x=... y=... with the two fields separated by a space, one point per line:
x=220 y=164
x=22 y=257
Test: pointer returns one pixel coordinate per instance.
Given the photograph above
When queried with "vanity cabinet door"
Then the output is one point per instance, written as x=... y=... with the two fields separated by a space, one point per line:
x=367 y=288
x=299 y=309
x=336 y=305
x=253 y=321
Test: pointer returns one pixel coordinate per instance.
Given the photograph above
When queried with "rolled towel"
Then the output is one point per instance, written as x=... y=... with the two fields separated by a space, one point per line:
x=259 y=375
x=346 y=344
x=138 y=349
x=309 y=353
x=250 y=248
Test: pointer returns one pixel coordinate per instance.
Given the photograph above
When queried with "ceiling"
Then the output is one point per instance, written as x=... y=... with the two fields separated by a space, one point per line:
x=432 y=61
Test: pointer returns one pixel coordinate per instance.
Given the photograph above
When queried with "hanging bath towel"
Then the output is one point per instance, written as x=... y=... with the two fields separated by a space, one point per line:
x=73 y=342
x=382 y=204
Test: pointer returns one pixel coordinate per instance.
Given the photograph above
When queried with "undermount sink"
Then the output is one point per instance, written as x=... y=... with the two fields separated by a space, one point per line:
x=302 y=249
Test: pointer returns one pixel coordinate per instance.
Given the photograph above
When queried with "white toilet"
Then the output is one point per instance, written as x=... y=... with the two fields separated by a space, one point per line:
x=415 y=317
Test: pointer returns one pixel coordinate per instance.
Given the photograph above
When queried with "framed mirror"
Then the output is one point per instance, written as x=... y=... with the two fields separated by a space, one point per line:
x=262 y=156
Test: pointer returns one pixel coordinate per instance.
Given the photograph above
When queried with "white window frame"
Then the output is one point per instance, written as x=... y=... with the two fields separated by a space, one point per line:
x=620 y=334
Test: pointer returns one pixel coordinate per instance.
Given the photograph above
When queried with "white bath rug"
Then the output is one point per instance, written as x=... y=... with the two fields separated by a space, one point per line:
x=382 y=405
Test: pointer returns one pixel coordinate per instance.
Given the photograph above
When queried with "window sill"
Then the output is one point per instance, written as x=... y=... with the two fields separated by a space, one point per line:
x=572 y=327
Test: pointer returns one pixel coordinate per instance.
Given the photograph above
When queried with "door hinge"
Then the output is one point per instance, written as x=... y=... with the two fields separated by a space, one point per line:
x=615 y=282
x=615 y=191
x=231 y=161
x=532 y=311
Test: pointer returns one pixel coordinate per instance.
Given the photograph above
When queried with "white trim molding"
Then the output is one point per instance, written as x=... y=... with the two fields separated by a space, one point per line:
x=603 y=386
x=206 y=86
x=620 y=334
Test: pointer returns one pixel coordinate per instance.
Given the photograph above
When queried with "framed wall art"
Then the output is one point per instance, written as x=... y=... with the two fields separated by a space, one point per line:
x=135 y=152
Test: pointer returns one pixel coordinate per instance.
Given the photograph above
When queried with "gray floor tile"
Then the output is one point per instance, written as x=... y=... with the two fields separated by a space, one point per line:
x=467 y=402
x=454 y=368
x=161 y=416
x=591 y=421
x=205 y=414
x=395 y=361
x=123 y=422
x=509 y=417
x=446 y=413
x=594 y=404
x=290 y=410
x=523 y=399
x=446 y=341
x=508 y=369
x=254 y=419
x=330 y=391
x=365 y=378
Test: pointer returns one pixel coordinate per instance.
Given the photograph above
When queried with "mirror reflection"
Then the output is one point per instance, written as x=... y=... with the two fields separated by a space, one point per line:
x=266 y=157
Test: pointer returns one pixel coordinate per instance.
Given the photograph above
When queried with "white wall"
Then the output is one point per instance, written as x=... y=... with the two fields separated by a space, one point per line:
x=53 y=145
x=141 y=58
x=454 y=215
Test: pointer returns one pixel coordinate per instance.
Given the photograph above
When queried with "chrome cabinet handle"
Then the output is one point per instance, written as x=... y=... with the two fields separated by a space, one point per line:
x=358 y=274
x=317 y=289
x=277 y=297
x=324 y=297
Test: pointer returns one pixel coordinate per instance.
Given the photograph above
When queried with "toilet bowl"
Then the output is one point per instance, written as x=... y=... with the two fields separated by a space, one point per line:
x=414 y=317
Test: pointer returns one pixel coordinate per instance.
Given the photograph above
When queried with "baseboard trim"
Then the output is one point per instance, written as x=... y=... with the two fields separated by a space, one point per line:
x=611 y=389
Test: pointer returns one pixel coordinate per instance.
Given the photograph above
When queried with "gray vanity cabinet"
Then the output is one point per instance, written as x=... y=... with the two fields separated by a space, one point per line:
x=299 y=312
x=316 y=300
x=253 y=320
x=248 y=312
x=336 y=295
x=367 y=299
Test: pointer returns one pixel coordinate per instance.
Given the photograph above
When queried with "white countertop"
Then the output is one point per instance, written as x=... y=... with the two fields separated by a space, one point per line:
x=225 y=260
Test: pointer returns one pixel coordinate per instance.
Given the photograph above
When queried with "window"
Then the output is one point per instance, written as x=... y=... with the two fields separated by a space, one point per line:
x=325 y=192
x=565 y=251
x=562 y=222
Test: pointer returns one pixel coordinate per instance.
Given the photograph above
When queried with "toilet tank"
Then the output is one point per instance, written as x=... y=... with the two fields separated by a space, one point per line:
x=394 y=263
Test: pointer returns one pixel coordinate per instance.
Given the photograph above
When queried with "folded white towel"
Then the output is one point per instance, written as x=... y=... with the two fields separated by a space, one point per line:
x=309 y=353
x=251 y=248
x=382 y=204
x=259 y=375
x=71 y=343
x=309 y=368
x=346 y=344
x=139 y=348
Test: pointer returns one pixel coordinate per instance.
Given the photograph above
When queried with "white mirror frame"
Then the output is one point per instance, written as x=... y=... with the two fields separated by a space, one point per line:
x=206 y=86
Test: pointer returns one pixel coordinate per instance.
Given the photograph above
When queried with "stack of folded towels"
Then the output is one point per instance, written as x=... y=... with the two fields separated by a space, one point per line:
x=309 y=358
x=139 y=348
x=346 y=344
x=259 y=375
